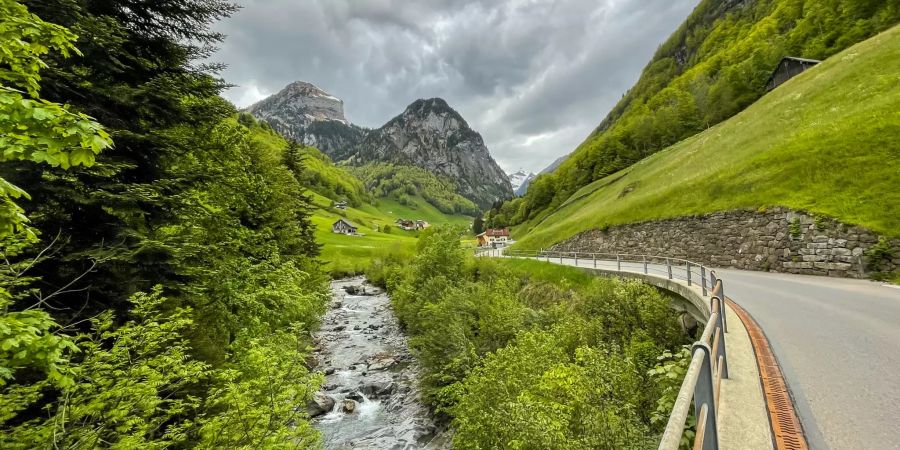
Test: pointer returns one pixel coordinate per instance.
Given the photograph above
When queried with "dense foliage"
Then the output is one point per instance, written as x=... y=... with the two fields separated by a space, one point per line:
x=521 y=356
x=312 y=168
x=170 y=302
x=405 y=182
x=715 y=65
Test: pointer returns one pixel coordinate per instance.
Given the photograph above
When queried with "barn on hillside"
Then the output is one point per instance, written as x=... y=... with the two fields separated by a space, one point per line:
x=788 y=68
x=343 y=226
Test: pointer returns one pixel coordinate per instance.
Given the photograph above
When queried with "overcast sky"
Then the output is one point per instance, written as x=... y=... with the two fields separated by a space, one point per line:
x=534 y=77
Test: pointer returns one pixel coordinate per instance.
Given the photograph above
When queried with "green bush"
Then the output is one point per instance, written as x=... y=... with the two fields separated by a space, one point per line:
x=523 y=354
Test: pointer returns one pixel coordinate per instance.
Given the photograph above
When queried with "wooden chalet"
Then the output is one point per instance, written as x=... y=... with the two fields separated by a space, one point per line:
x=788 y=68
x=343 y=226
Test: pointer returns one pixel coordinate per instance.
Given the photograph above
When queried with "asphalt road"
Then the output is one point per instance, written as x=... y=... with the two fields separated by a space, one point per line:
x=838 y=343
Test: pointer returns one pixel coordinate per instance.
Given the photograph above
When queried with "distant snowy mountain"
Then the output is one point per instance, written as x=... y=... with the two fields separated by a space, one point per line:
x=520 y=181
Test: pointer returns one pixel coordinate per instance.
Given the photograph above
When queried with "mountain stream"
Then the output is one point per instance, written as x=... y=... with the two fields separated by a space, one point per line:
x=370 y=399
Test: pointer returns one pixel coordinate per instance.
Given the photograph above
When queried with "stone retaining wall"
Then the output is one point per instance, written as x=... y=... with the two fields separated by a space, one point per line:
x=778 y=239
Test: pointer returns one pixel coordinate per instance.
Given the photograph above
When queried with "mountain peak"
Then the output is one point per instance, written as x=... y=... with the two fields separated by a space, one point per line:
x=307 y=89
x=298 y=105
x=432 y=135
x=433 y=114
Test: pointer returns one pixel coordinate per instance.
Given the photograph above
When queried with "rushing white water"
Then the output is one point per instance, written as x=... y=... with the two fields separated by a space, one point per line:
x=370 y=376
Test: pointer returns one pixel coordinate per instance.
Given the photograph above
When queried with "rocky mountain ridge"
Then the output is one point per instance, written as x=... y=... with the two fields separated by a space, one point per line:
x=427 y=134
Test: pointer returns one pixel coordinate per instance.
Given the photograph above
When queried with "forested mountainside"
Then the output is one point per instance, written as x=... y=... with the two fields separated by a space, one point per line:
x=429 y=134
x=163 y=292
x=715 y=65
x=404 y=182
x=313 y=169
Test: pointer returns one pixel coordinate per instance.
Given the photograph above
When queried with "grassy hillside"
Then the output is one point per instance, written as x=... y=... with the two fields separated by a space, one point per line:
x=826 y=141
x=352 y=254
x=370 y=210
x=715 y=65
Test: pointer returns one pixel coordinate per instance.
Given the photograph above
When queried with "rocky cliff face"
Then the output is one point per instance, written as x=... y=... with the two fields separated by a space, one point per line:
x=304 y=113
x=428 y=134
x=431 y=135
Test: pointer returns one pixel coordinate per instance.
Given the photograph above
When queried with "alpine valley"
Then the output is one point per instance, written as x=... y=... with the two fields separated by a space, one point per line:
x=428 y=135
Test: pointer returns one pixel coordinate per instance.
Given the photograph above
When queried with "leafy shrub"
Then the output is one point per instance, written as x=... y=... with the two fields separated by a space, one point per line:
x=521 y=356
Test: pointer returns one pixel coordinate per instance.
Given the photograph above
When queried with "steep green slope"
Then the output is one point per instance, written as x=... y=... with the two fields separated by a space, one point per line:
x=715 y=65
x=826 y=141
x=401 y=182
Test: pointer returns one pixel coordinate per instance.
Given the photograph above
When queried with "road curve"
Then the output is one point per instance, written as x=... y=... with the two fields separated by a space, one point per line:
x=838 y=344
x=837 y=341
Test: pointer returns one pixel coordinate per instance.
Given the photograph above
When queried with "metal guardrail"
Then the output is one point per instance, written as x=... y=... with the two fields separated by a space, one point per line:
x=709 y=361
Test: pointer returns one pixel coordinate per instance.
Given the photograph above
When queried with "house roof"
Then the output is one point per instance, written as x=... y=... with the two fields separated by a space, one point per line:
x=806 y=60
x=493 y=232
x=349 y=224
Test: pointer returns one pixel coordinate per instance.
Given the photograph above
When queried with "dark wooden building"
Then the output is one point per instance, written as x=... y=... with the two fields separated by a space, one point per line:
x=788 y=68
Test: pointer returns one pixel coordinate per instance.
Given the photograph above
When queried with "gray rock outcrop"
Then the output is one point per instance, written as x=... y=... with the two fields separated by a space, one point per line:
x=431 y=135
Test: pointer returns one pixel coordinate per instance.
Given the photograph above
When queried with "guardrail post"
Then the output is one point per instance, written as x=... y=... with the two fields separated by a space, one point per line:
x=669 y=266
x=688 y=273
x=722 y=297
x=720 y=349
x=703 y=278
x=705 y=394
x=618 y=263
x=576 y=259
x=645 y=264
x=595 y=259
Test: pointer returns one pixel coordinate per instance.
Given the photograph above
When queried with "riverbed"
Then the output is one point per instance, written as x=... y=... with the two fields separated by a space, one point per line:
x=370 y=399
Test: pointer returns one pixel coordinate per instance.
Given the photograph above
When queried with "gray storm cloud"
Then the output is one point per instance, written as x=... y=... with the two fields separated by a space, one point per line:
x=534 y=77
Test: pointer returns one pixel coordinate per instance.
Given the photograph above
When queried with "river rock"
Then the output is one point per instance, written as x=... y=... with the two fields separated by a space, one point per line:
x=380 y=388
x=382 y=364
x=348 y=406
x=355 y=290
x=319 y=404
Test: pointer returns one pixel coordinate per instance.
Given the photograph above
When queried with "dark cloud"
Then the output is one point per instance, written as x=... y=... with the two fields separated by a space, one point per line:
x=534 y=77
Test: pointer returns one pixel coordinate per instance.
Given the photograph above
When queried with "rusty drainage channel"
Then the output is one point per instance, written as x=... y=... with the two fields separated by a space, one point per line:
x=786 y=429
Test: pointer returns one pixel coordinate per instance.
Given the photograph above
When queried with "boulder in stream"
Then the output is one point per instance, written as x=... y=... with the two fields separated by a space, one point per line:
x=348 y=406
x=320 y=404
x=380 y=389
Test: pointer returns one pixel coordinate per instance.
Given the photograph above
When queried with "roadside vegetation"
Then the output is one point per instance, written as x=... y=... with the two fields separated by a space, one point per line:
x=713 y=67
x=530 y=355
x=824 y=142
